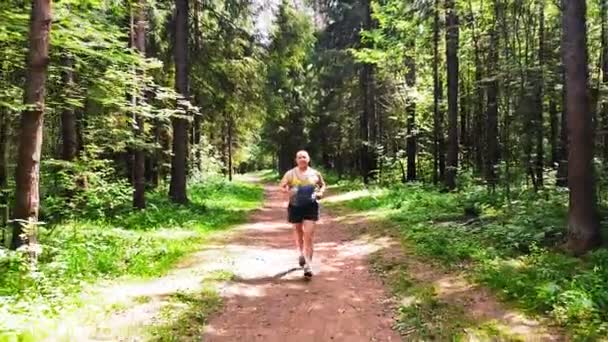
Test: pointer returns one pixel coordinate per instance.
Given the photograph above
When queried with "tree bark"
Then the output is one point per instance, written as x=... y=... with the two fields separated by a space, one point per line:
x=452 y=38
x=438 y=141
x=4 y=143
x=478 y=108
x=604 y=104
x=69 y=149
x=139 y=155
x=179 y=167
x=540 y=153
x=410 y=80
x=230 y=132
x=4 y=205
x=583 y=219
x=196 y=140
x=27 y=178
x=492 y=114
x=554 y=136
x=368 y=114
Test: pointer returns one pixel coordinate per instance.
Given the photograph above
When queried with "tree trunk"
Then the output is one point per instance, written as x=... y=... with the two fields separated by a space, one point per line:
x=179 y=167
x=540 y=153
x=4 y=203
x=139 y=160
x=452 y=37
x=562 y=168
x=158 y=156
x=30 y=138
x=4 y=143
x=492 y=115
x=438 y=141
x=69 y=149
x=465 y=102
x=604 y=105
x=368 y=114
x=478 y=108
x=230 y=131
x=410 y=80
x=554 y=136
x=196 y=140
x=583 y=220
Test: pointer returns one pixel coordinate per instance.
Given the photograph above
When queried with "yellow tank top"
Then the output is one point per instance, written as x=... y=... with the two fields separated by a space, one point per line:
x=297 y=178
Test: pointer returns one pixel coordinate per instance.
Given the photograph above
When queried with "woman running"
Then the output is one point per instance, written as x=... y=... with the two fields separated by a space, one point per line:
x=306 y=186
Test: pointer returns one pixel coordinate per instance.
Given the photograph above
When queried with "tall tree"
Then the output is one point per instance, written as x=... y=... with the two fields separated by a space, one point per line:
x=492 y=98
x=69 y=147
x=604 y=54
x=452 y=42
x=562 y=167
x=179 y=167
x=478 y=122
x=583 y=220
x=538 y=98
x=438 y=139
x=4 y=137
x=368 y=122
x=139 y=156
x=27 y=178
x=410 y=80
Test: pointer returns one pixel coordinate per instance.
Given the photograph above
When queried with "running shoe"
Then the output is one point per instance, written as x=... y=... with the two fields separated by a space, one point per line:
x=307 y=271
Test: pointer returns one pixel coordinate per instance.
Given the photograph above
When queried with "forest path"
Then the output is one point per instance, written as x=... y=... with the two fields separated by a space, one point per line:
x=346 y=300
x=342 y=302
x=266 y=299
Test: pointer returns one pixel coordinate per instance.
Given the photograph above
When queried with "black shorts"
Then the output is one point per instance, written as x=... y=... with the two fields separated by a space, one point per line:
x=298 y=214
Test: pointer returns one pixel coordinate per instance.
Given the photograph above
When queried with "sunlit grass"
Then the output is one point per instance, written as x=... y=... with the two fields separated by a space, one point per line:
x=507 y=247
x=139 y=244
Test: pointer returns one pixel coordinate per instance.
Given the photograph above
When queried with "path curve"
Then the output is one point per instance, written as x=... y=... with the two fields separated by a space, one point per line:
x=343 y=301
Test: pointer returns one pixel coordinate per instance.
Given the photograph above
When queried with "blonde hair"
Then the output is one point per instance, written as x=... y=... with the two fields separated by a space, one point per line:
x=303 y=152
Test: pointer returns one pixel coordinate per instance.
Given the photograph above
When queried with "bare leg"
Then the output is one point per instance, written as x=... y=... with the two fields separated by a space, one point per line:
x=298 y=235
x=309 y=232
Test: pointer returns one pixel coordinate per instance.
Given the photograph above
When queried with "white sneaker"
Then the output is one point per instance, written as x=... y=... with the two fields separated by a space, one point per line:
x=307 y=271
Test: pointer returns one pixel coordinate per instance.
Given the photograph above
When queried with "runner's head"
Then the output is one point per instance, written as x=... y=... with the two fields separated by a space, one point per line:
x=302 y=159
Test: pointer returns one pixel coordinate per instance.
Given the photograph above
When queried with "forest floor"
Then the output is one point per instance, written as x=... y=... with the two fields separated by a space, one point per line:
x=367 y=287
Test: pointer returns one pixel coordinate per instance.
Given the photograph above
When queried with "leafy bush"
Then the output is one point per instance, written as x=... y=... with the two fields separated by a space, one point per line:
x=88 y=188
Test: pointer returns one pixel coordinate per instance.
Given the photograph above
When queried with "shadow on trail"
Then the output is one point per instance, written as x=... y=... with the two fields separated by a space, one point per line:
x=277 y=278
x=342 y=301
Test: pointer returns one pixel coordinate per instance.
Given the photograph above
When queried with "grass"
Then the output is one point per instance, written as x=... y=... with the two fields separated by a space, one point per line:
x=508 y=247
x=422 y=316
x=134 y=244
x=184 y=318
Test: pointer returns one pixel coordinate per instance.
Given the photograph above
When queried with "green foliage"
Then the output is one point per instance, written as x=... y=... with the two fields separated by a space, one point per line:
x=146 y=243
x=290 y=79
x=506 y=246
x=86 y=189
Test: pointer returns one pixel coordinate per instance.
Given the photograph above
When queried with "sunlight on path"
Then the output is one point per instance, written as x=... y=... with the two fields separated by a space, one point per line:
x=343 y=302
x=266 y=298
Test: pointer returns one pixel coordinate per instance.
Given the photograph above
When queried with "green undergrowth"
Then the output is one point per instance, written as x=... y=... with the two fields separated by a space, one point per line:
x=129 y=243
x=511 y=247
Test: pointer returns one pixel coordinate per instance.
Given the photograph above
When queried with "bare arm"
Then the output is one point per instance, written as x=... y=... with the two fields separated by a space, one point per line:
x=322 y=186
x=284 y=184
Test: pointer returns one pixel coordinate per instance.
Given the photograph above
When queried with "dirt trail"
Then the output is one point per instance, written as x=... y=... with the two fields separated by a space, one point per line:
x=343 y=301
